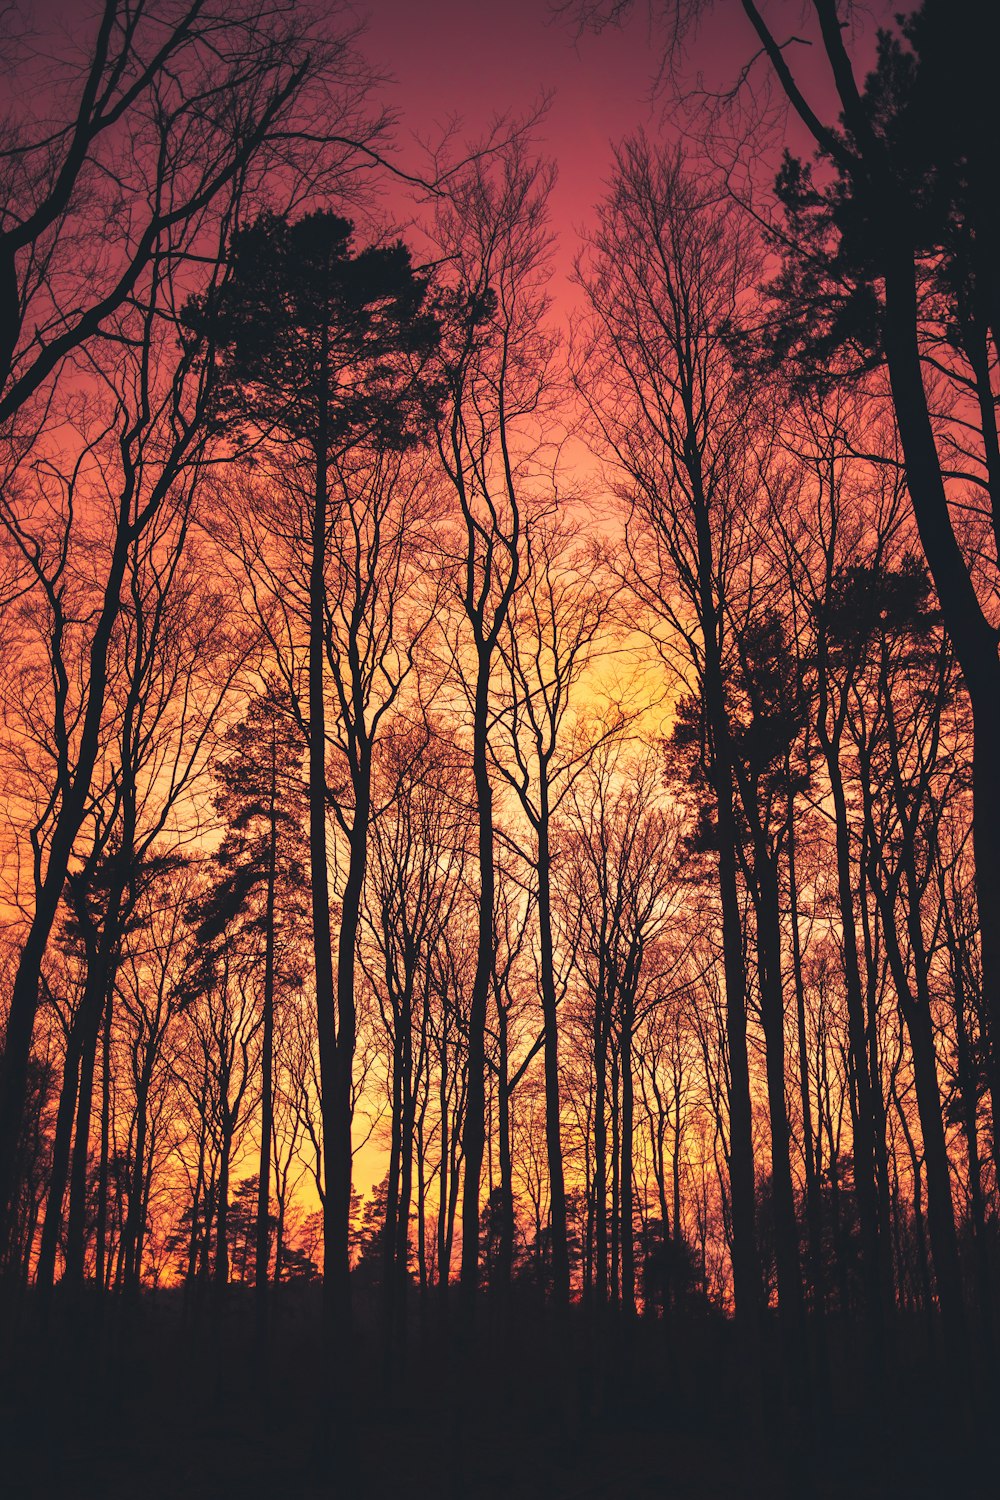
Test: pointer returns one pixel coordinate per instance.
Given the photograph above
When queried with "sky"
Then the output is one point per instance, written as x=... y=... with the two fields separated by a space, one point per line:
x=457 y=57
x=442 y=60
x=447 y=58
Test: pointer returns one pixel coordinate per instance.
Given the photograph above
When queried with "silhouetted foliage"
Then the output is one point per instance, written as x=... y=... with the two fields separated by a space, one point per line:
x=560 y=788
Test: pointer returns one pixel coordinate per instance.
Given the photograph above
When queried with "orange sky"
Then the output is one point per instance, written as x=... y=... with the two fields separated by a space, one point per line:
x=450 y=58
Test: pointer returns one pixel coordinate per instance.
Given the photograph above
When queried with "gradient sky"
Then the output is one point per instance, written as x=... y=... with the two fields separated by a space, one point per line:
x=458 y=57
x=443 y=59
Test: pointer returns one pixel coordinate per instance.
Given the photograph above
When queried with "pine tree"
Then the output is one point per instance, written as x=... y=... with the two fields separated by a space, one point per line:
x=260 y=889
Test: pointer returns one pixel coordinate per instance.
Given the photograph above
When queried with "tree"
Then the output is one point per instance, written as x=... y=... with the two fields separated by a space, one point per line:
x=667 y=267
x=261 y=797
x=555 y=631
x=890 y=263
x=495 y=366
x=186 y=101
x=321 y=351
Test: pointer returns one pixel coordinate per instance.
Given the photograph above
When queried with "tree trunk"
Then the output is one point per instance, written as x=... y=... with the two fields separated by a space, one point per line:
x=341 y=1111
x=875 y=1270
x=474 y=1134
x=553 y=1113
x=135 y=1214
x=62 y=1139
x=506 y=1248
x=968 y=1102
x=390 y=1232
x=814 y=1205
x=915 y=1010
x=626 y=1188
x=263 y=1246
x=600 y=1188
x=221 y=1267
x=973 y=637
x=101 y=1266
x=322 y=932
x=76 y=1222
x=786 y=1231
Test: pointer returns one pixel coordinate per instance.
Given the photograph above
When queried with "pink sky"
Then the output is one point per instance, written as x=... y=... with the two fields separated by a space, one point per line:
x=459 y=57
x=453 y=57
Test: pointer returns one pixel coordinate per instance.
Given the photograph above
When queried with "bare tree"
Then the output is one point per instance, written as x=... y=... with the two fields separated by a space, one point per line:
x=168 y=108
x=556 y=632
x=497 y=355
x=665 y=274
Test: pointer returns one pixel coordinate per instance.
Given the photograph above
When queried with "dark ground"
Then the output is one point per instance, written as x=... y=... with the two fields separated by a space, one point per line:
x=154 y=1411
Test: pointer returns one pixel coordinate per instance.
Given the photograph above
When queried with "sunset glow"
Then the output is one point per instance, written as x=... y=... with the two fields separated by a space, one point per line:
x=500 y=844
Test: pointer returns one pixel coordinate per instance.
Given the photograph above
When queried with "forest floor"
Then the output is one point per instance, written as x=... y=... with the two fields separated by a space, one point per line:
x=183 y=1418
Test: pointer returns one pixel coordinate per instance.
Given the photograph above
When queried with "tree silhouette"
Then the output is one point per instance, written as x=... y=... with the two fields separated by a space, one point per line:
x=321 y=348
x=262 y=799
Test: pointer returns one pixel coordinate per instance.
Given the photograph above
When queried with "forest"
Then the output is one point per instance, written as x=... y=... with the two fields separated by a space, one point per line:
x=500 y=835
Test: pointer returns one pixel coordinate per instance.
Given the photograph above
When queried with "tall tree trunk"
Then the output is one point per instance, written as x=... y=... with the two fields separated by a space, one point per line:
x=76 y=1221
x=875 y=1269
x=626 y=1187
x=62 y=1140
x=407 y=1149
x=786 y=1232
x=814 y=1205
x=221 y=1264
x=101 y=1264
x=505 y=1163
x=135 y=1212
x=443 y=1240
x=972 y=635
x=553 y=1113
x=322 y=932
x=616 y=1182
x=680 y=1245
x=341 y=1156
x=390 y=1232
x=746 y=1266
x=915 y=1010
x=969 y=1107
x=263 y=1236
x=474 y=1134
x=600 y=1127
x=196 y=1208
x=745 y=1263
